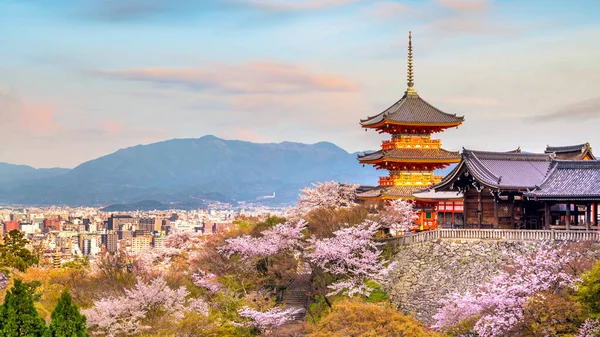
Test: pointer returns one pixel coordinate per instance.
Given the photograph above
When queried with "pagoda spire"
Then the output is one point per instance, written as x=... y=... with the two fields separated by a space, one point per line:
x=411 y=77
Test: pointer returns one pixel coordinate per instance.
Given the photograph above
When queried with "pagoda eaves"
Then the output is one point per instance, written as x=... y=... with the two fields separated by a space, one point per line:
x=412 y=113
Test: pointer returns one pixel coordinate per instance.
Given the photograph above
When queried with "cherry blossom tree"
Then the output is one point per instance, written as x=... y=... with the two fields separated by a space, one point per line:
x=352 y=255
x=398 y=216
x=3 y=280
x=269 y=320
x=281 y=237
x=206 y=280
x=124 y=315
x=500 y=301
x=590 y=328
x=329 y=194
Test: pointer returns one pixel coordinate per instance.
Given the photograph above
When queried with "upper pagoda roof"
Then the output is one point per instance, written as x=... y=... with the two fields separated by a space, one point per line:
x=412 y=154
x=572 y=152
x=411 y=109
x=570 y=180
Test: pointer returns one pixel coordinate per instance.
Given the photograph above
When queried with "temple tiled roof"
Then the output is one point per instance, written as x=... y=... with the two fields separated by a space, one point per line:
x=413 y=110
x=502 y=170
x=390 y=192
x=571 y=152
x=422 y=155
x=570 y=179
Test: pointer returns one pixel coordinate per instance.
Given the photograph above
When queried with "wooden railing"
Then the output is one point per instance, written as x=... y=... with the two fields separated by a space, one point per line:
x=495 y=234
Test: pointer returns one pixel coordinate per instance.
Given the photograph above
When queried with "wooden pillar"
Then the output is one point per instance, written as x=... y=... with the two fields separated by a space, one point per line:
x=480 y=208
x=596 y=214
x=576 y=214
x=588 y=216
x=495 y=225
x=466 y=215
x=547 y=220
x=568 y=216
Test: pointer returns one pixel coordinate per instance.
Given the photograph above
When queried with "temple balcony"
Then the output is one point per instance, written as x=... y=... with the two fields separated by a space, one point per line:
x=411 y=143
x=410 y=180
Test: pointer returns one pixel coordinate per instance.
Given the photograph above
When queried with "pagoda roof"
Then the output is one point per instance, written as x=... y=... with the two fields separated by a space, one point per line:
x=391 y=192
x=411 y=155
x=570 y=180
x=411 y=109
x=501 y=170
x=571 y=152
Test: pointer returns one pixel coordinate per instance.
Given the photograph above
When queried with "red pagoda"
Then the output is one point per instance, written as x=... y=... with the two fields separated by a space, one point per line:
x=411 y=155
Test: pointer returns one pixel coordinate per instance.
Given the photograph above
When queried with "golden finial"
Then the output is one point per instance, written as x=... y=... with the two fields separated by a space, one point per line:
x=411 y=77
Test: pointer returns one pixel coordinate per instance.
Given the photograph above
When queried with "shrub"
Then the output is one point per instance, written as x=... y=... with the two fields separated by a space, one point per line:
x=357 y=318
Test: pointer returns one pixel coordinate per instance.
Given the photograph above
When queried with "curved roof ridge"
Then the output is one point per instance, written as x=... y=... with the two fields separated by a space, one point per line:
x=512 y=155
x=472 y=159
x=567 y=148
x=440 y=111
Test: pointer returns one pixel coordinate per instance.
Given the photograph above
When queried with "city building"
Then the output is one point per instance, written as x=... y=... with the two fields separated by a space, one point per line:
x=110 y=241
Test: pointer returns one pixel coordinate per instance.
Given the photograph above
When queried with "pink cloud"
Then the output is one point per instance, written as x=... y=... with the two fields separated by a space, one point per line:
x=28 y=117
x=389 y=9
x=250 y=135
x=112 y=127
x=258 y=77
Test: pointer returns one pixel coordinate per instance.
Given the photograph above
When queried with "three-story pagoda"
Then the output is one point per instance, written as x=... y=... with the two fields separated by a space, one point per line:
x=411 y=155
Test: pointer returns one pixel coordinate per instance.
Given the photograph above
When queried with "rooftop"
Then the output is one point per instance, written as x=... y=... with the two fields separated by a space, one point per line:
x=502 y=170
x=413 y=154
x=570 y=179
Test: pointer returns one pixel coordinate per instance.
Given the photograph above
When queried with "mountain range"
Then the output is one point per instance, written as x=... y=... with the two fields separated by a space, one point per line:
x=186 y=171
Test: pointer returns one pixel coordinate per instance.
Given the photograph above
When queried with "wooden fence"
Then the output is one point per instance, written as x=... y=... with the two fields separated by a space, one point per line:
x=495 y=234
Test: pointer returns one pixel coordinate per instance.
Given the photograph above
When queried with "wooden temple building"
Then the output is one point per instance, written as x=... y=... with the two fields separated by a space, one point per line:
x=411 y=155
x=556 y=189
x=514 y=190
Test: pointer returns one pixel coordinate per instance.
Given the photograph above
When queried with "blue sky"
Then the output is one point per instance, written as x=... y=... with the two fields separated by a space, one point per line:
x=82 y=78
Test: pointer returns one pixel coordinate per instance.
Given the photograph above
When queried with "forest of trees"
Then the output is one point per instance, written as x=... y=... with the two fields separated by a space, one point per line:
x=234 y=283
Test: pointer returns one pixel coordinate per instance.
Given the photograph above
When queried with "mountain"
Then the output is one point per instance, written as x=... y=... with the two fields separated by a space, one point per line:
x=193 y=170
x=10 y=173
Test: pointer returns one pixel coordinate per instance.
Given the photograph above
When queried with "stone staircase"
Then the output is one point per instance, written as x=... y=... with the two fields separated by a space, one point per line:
x=296 y=296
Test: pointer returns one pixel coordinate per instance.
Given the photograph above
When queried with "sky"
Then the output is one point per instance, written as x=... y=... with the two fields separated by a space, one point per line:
x=80 y=79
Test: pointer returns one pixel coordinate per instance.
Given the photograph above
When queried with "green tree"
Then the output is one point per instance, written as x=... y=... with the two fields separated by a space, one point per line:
x=66 y=319
x=588 y=290
x=18 y=317
x=13 y=252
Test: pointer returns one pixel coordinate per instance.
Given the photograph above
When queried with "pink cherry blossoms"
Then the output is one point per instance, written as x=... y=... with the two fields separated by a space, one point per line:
x=351 y=254
x=123 y=315
x=269 y=320
x=3 y=280
x=280 y=237
x=399 y=216
x=329 y=194
x=500 y=301
x=206 y=280
x=590 y=328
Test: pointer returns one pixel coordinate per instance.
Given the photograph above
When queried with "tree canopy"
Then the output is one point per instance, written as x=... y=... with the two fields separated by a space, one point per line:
x=66 y=319
x=18 y=316
x=13 y=252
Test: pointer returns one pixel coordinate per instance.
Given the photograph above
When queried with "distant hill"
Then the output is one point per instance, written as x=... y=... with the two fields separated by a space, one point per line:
x=150 y=205
x=191 y=171
x=10 y=173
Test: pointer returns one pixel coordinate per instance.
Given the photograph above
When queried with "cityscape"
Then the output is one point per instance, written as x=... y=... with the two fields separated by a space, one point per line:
x=299 y=168
x=64 y=234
